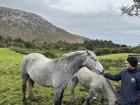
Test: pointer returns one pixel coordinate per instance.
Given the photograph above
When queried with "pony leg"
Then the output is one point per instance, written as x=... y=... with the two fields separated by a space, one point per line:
x=24 y=80
x=58 y=94
x=88 y=97
x=101 y=99
x=73 y=85
x=31 y=85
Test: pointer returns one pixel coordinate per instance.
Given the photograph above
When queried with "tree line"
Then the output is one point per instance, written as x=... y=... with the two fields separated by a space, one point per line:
x=100 y=47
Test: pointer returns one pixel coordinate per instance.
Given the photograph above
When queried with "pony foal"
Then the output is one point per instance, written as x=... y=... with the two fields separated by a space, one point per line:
x=93 y=82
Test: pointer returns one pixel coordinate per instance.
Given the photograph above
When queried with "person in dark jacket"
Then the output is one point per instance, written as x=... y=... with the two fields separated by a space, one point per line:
x=130 y=82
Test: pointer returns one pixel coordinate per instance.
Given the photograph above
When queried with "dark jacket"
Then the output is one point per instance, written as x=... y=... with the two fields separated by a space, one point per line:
x=130 y=86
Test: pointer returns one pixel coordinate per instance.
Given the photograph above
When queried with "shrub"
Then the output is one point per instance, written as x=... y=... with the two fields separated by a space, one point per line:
x=101 y=51
x=19 y=50
x=49 y=54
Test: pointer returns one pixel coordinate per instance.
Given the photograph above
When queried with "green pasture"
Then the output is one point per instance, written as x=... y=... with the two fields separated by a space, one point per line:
x=10 y=81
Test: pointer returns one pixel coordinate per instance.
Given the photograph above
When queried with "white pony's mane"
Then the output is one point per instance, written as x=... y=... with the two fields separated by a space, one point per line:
x=69 y=55
x=73 y=53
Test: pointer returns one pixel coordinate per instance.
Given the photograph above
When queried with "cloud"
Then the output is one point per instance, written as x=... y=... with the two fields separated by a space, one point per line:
x=87 y=5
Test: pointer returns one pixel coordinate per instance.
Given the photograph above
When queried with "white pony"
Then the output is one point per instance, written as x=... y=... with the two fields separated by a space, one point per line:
x=94 y=83
x=55 y=73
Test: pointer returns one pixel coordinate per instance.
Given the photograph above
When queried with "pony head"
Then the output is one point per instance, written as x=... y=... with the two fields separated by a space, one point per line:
x=92 y=62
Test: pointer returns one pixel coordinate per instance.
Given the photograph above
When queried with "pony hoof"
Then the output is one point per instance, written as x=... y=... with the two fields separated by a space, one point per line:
x=24 y=103
x=31 y=98
x=73 y=103
x=23 y=100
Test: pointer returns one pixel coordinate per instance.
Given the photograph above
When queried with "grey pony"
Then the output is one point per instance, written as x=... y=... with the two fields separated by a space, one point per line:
x=95 y=83
x=55 y=73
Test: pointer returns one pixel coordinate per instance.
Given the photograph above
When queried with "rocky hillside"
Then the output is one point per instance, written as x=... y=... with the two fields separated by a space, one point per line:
x=31 y=27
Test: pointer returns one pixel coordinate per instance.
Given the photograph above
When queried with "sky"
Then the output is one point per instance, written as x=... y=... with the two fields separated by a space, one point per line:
x=95 y=19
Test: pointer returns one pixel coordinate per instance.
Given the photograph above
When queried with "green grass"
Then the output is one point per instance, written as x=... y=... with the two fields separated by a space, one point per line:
x=10 y=81
x=114 y=57
x=113 y=63
x=9 y=77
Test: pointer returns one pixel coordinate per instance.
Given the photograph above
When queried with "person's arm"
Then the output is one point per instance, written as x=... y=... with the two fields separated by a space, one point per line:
x=116 y=77
x=137 y=77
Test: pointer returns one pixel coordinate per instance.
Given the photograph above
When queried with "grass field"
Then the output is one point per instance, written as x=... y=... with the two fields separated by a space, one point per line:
x=114 y=57
x=9 y=77
x=10 y=82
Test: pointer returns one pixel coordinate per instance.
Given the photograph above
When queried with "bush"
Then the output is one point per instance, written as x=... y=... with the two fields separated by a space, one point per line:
x=136 y=49
x=49 y=54
x=101 y=51
x=21 y=51
x=2 y=45
x=28 y=45
x=114 y=50
x=123 y=50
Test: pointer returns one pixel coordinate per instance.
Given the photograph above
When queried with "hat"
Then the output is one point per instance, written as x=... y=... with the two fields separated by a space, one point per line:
x=133 y=61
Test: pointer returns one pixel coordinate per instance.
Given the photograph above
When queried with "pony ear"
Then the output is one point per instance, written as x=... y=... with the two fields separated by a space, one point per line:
x=88 y=52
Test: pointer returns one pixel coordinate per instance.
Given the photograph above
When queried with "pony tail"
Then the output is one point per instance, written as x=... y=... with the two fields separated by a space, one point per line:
x=23 y=66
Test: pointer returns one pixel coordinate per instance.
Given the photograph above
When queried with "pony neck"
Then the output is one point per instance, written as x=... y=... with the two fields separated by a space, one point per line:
x=110 y=92
x=75 y=62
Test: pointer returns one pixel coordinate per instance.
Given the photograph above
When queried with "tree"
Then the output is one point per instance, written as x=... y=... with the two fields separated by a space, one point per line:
x=132 y=10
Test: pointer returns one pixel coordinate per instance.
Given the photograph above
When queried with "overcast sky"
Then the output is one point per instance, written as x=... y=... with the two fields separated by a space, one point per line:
x=95 y=19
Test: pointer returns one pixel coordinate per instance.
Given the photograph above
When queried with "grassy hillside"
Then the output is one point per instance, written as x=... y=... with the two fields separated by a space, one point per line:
x=10 y=81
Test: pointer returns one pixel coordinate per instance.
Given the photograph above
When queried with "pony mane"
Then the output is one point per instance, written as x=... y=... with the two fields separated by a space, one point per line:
x=72 y=54
x=92 y=53
x=68 y=56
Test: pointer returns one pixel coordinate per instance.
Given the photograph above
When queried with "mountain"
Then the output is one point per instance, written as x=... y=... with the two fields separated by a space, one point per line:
x=28 y=26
